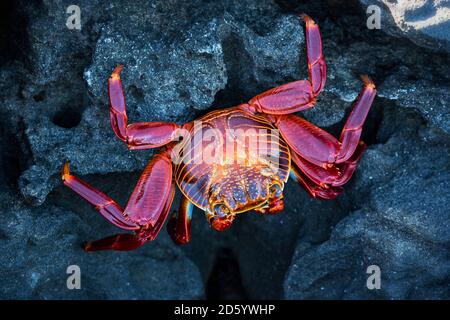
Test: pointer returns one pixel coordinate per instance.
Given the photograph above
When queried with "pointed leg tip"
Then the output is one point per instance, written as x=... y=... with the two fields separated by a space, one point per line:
x=303 y=16
x=306 y=19
x=180 y=241
x=116 y=72
x=367 y=81
x=65 y=172
x=87 y=246
x=119 y=68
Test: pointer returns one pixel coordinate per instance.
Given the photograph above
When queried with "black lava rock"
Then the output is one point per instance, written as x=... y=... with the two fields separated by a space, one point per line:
x=182 y=59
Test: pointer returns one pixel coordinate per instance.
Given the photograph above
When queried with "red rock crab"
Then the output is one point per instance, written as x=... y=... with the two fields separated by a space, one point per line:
x=243 y=177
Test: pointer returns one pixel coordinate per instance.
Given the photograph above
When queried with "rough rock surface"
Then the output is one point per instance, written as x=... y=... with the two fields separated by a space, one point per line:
x=182 y=59
x=39 y=244
x=401 y=224
x=425 y=22
x=158 y=85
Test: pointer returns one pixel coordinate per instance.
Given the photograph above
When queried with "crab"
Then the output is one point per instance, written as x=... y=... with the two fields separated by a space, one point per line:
x=314 y=158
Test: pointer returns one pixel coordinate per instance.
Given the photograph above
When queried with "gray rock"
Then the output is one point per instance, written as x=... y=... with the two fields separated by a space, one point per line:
x=263 y=245
x=423 y=95
x=181 y=60
x=229 y=51
x=39 y=244
x=426 y=23
x=403 y=71
x=401 y=224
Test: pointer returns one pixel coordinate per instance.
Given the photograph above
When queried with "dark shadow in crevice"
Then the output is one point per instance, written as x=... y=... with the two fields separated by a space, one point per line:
x=16 y=154
x=68 y=117
x=224 y=282
x=68 y=112
x=137 y=93
x=399 y=121
x=239 y=67
x=14 y=43
x=40 y=96
x=373 y=121
x=371 y=126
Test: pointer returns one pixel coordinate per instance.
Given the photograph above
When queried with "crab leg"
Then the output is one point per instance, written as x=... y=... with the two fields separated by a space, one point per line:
x=107 y=207
x=119 y=242
x=141 y=135
x=318 y=146
x=126 y=241
x=315 y=190
x=147 y=207
x=151 y=192
x=179 y=226
x=335 y=175
x=353 y=127
x=298 y=95
x=316 y=61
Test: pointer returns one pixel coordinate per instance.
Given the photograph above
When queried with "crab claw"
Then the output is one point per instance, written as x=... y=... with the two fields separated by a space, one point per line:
x=222 y=223
x=274 y=207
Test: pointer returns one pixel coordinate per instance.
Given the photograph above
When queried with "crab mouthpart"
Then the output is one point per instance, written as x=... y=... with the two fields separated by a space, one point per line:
x=222 y=223
x=272 y=207
x=220 y=217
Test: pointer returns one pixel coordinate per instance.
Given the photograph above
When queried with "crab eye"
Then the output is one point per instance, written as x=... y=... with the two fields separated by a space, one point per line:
x=275 y=190
x=221 y=210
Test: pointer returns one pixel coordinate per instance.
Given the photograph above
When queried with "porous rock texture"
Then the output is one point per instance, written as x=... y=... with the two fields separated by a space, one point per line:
x=424 y=22
x=182 y=59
